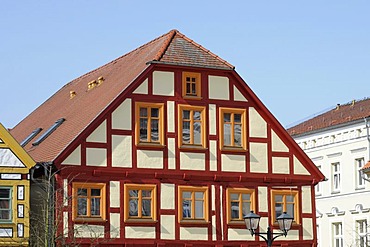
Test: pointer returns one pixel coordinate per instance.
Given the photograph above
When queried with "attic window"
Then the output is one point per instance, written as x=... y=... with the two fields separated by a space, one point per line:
x=191 y=85
x=30 y=137
x=49 y=131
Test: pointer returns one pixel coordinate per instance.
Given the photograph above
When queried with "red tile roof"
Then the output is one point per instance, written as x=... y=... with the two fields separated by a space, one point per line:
x=81 y=110
x=366 y=166
x=341 y=114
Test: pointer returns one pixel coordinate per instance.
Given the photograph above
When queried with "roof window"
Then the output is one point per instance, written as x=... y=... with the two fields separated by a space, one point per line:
x=30 y=137
x=49 y=131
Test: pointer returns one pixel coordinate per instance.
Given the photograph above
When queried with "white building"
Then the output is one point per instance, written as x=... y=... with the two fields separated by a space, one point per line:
x=337 y=142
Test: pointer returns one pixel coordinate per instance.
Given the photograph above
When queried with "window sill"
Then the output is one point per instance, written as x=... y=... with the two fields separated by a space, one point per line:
x=150 y=146
x=89 y=220
x=335 y=192
x=234 y=149
x=192 y=97
x=7 y=223
x=359 y=188
x=134 y=222
x=192 y=148
x=194 y=222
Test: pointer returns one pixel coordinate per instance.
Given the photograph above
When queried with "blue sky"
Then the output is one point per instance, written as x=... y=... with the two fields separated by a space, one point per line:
x=299 y=57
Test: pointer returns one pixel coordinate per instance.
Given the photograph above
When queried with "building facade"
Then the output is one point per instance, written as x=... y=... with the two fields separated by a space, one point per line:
x=168 y=146
x=15 y=166
x=337 y=142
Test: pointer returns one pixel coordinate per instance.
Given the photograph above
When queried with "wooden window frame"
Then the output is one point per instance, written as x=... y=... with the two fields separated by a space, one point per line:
x=11 y=204
x=285 y=193
x=202 y=109
x=240 y=191
x=198 y=88
x=89 y=186
x=222 y=111
x=193 y=189
x=160 y=106
x=140 y=187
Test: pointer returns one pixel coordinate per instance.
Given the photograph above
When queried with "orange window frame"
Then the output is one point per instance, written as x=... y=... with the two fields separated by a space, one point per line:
x=284 y=202
x=233 y=111
x=192 y=190
x=160 y=119
x=140 y=198
x=89 y=197
x=192 y=121
x=240 y=200
x=193 y=80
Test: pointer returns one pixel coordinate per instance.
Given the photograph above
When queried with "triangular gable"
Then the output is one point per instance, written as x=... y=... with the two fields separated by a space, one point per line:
x=12 y=155
x=283 y=148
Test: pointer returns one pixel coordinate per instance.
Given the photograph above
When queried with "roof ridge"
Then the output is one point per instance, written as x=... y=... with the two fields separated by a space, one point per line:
x=116 y=59
x=164 y=47
x=206 y=50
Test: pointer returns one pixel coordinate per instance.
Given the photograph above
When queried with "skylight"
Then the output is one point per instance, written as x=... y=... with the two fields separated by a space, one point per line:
x=30 y=136
x=49 y=131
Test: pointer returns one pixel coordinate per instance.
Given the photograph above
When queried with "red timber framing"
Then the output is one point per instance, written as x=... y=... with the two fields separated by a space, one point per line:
x=216 y=181
x=263 y=160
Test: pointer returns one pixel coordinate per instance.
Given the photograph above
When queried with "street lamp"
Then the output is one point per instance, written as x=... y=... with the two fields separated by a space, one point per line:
x=252 y=221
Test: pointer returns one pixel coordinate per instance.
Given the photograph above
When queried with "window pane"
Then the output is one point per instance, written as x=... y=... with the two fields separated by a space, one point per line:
x=193 y=89
x=246 y=196
x=95 y=206
x=155 y=112
x=4 y=193
x=5 y=215
x=186 y=114
x=146 y=193
x=5 y=204
x=227 y=134
x=237 y=135
x=197 y=133
x=246 y=208
x=82 y=206
x=188 y=90
x=95 y=192
x=290 y=209
x=227 y=117
x=290 y=198
x=143 y=112
x=186 y=209
x=235 y=210
x=133 y=207
x=278 y=209
x=237 y=118
x=155 y=130
x=186 y=132
x=186 y=194
x=82 y=192
x=199 y=195
x=143 y=129
x=199 y=209
x=234 y=196
x=146 y=207
x=278 y=198
x=133 y=193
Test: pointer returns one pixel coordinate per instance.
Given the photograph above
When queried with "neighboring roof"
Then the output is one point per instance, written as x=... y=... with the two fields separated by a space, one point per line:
x=86 y=105
x=341 y=114
x=12 y=155
x=366 y=167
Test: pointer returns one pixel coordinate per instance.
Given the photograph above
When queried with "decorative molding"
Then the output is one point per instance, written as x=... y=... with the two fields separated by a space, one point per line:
x=20 y=209
x=317 y=158
x=359 y=209
x=335 y=212
x=318 y=214
x=20 y=192
x=20 y=230
x=334 y=155
x=6 y=232
x=358 y=150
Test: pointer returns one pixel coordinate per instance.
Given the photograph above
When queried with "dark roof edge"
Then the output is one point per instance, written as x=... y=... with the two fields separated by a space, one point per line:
x=330 y=127
x=190 y=65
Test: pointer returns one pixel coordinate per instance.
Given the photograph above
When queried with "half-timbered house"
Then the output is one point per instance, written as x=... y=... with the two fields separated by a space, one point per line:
x=168 y=146
x=15 y=165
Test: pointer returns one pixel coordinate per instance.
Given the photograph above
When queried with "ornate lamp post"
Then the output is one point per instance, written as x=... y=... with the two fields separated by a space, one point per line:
x=252 y=221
